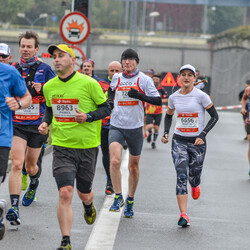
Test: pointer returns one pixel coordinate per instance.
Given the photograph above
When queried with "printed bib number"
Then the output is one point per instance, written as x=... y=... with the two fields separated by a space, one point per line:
x=64 y=110
x=30 y=113
x=124 y=99
x=187 y=122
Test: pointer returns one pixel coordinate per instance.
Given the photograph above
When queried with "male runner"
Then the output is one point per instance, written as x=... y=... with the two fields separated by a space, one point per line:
x=113 y=68
x=12 y=84
x=27 y=141
x=128 y=91
x=76 y=103
x=154 y=113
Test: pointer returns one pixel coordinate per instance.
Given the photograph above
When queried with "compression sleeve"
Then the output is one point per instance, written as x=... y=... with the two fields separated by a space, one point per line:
x=48 y=115
x=214 y=118
x=167 y=123
x=102 y=111
x=155 y=100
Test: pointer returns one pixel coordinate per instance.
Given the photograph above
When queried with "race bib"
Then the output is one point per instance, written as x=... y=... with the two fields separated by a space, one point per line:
x=124 y=99
x=64 y=110
x=187 y=122
x=30 y=113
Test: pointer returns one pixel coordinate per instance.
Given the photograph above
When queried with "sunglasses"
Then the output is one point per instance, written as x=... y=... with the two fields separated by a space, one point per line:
x=4 y=56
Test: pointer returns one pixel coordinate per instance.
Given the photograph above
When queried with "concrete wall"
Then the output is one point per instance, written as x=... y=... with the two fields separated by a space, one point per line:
x=161 y=59
x=230 y=70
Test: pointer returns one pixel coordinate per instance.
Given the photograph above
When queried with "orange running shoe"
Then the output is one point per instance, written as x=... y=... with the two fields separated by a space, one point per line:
x=183 y=220
x=196 y=191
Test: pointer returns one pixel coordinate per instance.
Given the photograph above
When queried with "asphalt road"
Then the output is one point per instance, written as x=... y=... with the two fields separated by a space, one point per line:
x=219 y=219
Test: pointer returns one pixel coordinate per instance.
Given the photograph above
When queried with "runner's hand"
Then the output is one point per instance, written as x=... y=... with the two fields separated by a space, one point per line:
x=198 y=141
x=243 y=111
x=43 y=128
x=133 y=93
x=164 y=138
x=12 y=103
x=37 y=86
x=80 y=116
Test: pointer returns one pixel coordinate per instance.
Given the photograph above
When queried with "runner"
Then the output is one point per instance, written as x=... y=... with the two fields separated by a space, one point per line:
x=88 y=67
x=114 y=67
x=199 y=81
x=154 y=113
x=5 y=55
x=245 y=110
x=14 y=85
x=27 y=141
x=244 y=116
x=75 y=102
x=128 y=91
x=189 y=143
x=150 y=73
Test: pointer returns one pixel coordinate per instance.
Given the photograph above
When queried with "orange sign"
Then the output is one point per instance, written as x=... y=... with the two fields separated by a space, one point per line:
x=168 y=80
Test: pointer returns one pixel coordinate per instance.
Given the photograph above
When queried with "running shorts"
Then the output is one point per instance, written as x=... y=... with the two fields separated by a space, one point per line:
x=153 y=119
x=70 y=164
x=133 y=137
x=30 y=134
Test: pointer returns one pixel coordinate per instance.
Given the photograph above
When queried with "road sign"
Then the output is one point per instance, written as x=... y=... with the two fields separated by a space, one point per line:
x=75 y=28
x=80 y=56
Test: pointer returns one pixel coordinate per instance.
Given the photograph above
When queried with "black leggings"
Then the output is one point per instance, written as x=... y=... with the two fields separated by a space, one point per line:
x=105 y=151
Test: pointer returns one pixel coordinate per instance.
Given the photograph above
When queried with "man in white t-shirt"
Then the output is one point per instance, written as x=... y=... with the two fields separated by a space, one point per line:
x=127 y=93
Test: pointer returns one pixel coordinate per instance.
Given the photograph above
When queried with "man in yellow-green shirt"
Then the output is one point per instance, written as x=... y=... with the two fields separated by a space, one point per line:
x=75 y=104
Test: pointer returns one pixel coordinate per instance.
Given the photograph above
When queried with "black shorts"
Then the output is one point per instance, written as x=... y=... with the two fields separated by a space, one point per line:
x=71 y=163
x=153 y=119
x=30 y=134
x=4 y=157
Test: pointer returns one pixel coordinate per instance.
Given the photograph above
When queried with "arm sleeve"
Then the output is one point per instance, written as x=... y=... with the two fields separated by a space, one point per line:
x=48 y=115
x=102 y=111
x=167 y=123
x=214 y=118
x=155 y=100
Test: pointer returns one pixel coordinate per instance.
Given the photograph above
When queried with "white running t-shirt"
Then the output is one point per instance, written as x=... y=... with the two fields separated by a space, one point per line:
x=128 y=113
x=190 y=111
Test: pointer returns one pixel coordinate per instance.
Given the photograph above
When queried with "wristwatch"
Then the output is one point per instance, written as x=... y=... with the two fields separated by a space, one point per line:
x=20 y=104
x=89 y=118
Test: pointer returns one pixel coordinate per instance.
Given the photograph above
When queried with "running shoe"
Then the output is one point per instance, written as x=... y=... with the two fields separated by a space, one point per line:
x=109 y=188
x=13 y=216
x=117 y=204
x=64 y=245
x=90 y=215
x=128 y=211
x=25 y=181
x=29 y=196
x=149 y=136
x=183 y=220
x=196 y=191
x=3 y=205
x=153 y=145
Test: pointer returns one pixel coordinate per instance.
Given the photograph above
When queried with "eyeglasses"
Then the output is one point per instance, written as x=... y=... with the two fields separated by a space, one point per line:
x=4 y=56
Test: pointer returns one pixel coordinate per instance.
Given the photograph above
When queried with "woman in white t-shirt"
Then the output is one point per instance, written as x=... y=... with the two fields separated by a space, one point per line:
x=188 y=144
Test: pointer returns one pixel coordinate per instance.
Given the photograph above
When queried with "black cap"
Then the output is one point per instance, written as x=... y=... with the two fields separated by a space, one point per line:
x=130 y=53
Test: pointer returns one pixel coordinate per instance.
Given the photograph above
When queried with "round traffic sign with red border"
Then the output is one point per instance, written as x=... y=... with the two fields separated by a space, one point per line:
x=75 y=28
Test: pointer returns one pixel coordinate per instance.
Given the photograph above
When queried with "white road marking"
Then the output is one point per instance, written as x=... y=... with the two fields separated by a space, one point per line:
x=105 y=228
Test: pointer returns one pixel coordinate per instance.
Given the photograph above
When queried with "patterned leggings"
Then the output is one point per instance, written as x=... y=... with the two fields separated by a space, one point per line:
x=187 y=156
